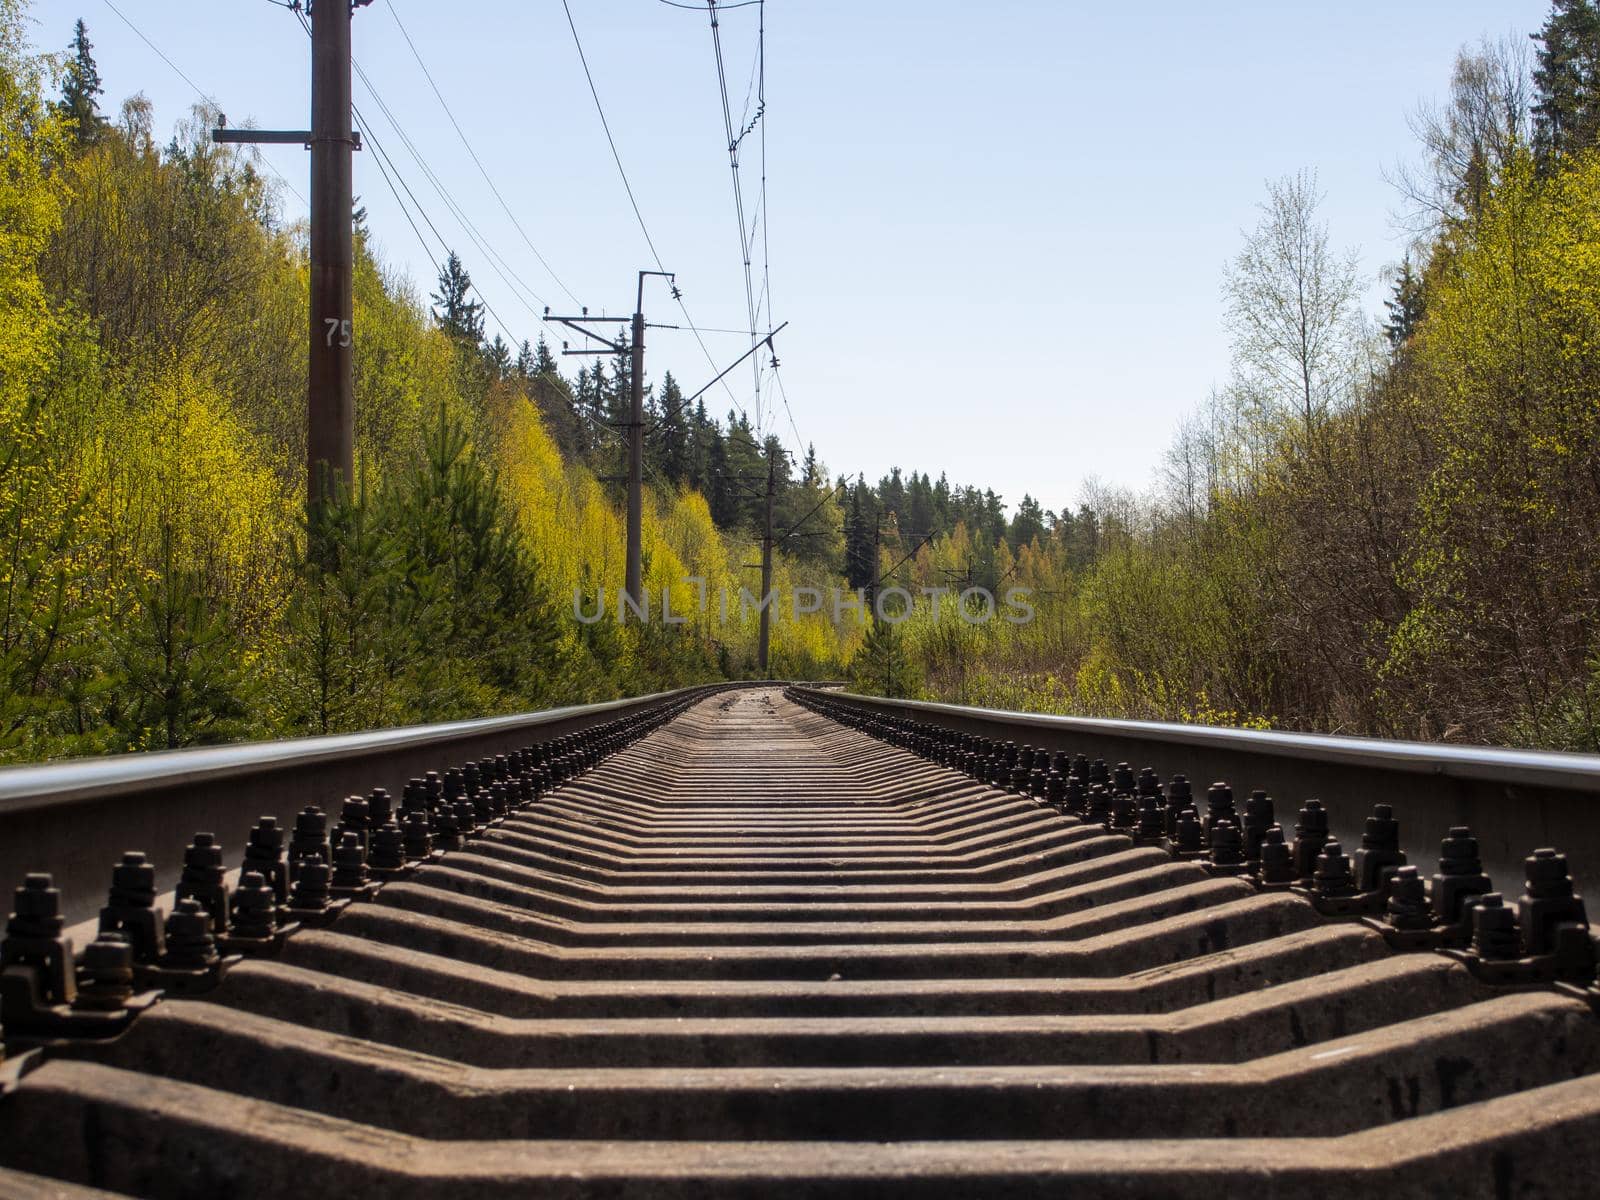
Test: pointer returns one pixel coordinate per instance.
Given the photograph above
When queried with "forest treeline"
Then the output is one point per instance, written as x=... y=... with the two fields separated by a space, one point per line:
x=1371 y=528
x=159 y=586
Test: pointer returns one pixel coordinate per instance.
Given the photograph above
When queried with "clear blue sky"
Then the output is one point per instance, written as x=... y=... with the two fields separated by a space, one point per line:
x=998 y=230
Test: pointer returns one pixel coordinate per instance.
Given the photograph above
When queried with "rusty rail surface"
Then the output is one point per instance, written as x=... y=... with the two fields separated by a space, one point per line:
x=788 y=942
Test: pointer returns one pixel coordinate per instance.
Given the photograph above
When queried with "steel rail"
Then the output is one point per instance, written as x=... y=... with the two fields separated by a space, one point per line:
x=784 y=941
x=1512 y=799
x=79 y=816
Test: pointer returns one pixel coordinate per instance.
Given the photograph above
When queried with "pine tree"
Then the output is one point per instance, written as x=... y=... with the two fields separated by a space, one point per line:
x=892 y=494
x=619 y=397
x=703 y=432
x=80 y=87
x=920 y=515
x=458 y=315
x=722 y=495
x=543 y=383
x=1567 y=114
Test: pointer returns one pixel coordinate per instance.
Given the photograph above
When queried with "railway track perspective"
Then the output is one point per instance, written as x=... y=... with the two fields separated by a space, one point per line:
x=774 y=941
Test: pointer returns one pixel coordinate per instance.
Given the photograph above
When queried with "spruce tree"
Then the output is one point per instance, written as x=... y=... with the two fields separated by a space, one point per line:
x=498 y=357
x=883 y=665
x=80 y=87
x=458 y=314
x=1405 y=305
x=673 y=432
x=861 y=537
x=1567 y=114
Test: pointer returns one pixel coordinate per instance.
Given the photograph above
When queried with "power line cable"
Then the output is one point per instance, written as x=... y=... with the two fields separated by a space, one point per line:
x=700 y=7
x=177 y=70
x=496 y=261
x=611 y=141
x=518 y=286
x=378 y=157
x=628 y=187
x=395 y=13
x=816 y=508
x=381 y=155
x=738 y=197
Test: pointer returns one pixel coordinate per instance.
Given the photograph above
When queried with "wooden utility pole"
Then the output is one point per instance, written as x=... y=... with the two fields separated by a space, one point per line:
x=330 y=373
x=330 y=380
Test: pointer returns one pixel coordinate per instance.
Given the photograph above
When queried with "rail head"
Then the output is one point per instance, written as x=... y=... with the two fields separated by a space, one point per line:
x=1489 y=764
x=40 y=785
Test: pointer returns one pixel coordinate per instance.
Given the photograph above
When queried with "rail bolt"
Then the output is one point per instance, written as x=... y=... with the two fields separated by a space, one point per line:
x=1180 y=795
x=1460 y=877
x=418 y=834
x=1219 y=806
x=1227 y=844
x=205 y=879
x=1310 y=836
x=1407 y=904
x=190 y=946
x=1379 y=855
x=355 y=816
x=1332 y=877
x=35 y=937
x=1191 y=835
x=1494 y=928
x=1258 y=818
x=1122 y=778
x=349 y=864
x=264 y=853
x=311 y=881
x=380 y=807
x=1277 y=860
x=310 y=840
x=1547 y=902
x=131 y=907
x=105 y=974
x=255 y=908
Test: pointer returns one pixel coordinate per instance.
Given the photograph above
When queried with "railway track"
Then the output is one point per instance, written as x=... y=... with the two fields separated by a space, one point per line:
x=770 y=942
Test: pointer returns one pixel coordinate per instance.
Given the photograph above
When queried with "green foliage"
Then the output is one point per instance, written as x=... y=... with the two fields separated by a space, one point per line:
x=475 y=603
x=345 y=643
x=179 y=682
x=883 y=666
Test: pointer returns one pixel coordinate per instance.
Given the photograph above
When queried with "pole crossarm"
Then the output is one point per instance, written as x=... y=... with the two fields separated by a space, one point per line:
x=576 y=325
x=278 y=137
